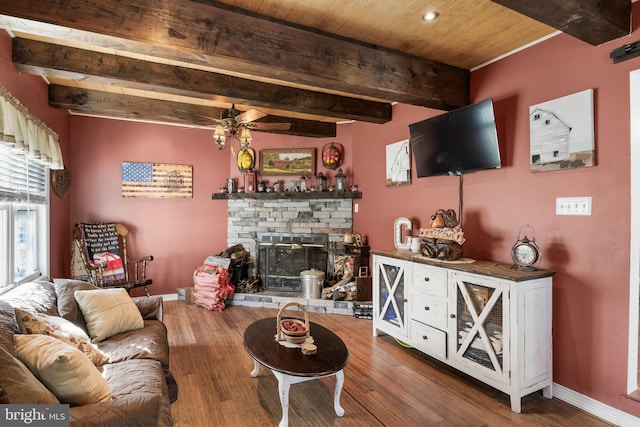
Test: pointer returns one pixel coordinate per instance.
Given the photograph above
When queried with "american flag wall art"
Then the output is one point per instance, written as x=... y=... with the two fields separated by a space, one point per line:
x=157 y=180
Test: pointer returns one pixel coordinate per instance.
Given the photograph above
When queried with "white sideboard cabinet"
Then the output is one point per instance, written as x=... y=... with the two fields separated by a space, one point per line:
x=483 y=318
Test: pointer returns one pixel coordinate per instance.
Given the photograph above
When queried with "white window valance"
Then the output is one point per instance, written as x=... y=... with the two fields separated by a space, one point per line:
x=25 y=133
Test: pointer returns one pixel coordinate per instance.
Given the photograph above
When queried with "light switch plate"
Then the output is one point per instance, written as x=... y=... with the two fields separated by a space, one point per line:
x=573 y=206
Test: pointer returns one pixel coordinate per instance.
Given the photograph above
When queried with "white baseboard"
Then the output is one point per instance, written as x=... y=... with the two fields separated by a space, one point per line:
x=169 y=297
x=594 y=407
x=580 y=401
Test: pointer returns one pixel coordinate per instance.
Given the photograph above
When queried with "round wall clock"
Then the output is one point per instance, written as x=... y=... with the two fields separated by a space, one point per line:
x=525 y=253
x=60 y=181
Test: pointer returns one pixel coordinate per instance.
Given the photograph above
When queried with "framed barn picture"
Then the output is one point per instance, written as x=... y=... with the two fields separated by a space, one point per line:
x=562 y=133
x=398 y=163
x=289 y=161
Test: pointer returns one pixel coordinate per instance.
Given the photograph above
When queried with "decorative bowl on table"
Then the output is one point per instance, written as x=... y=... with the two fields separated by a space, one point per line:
x=292 y=329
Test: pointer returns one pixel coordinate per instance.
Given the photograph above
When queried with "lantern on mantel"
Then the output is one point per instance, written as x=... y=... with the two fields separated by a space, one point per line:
x=341 y=182
x=321 y=182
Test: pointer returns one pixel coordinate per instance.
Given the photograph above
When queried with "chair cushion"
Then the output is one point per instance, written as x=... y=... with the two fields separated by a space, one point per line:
x=19 y=383
x=108 y=312
x=62 y=329
x=64 y=369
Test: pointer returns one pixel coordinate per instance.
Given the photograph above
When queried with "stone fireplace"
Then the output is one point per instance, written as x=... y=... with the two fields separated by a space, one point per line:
x=297 y=225
x=282 y=256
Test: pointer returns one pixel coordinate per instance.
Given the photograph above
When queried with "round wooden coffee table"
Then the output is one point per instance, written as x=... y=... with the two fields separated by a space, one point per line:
x=290 y=366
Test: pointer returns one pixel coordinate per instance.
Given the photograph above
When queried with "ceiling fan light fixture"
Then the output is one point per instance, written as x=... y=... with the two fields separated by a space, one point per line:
x=245 y=138
x=220 y=138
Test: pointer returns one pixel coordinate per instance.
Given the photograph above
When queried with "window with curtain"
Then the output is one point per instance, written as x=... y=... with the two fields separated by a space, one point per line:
x=28 y=149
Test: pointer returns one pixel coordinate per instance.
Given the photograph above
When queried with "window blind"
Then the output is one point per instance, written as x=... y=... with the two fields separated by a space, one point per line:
x=21 y=179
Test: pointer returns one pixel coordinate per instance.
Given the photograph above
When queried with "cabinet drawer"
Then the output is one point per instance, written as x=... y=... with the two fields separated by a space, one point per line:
x=430 y=280
x=429 y=310
x=427 y=339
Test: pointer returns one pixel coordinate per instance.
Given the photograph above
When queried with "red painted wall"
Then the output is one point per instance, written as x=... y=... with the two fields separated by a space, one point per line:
x=31 y=91
x=589 y=254
x=179 y=233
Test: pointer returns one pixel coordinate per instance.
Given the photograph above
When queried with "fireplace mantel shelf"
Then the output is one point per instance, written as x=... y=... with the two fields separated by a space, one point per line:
x=289 y=195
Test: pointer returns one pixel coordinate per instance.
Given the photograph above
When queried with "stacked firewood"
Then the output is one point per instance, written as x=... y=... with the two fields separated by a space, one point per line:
x=250 y=285
x=343 y=290
x=344 y=286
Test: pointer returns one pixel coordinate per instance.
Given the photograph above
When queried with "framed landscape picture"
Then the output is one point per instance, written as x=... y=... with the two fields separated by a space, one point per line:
x=288 y=161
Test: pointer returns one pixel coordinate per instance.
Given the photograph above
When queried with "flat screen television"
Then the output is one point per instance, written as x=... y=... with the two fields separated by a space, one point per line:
x=459 y=141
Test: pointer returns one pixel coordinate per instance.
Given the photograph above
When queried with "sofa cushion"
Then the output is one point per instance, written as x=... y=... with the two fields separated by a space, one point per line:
x=150 y=307
x=108 y=312
x=139 y=397
x=8 y=326
x=150 y=342
x=62 y=329
x=36 y=297
x=19 y=383
x=68 y=307
x=64 y=369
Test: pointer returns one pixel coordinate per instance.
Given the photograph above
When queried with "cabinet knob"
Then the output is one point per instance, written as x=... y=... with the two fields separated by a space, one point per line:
x=426 y=308
x=424 y=337
x=453 y=316
x=426 y=279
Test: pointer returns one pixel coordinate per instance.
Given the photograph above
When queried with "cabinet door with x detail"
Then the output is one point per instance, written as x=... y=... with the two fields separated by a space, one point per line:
x=480 y=319
x=390 y=300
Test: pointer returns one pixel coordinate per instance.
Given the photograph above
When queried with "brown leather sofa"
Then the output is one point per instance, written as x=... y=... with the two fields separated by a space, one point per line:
x=142 y=387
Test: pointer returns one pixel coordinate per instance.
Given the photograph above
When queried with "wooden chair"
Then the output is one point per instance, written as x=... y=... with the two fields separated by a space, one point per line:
x=100 y=257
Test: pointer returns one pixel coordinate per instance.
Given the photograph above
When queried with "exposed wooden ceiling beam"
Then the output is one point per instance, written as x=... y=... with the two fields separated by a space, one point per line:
x=237 y=43
x=108 y=104
x=594 y=22
x=51 y=60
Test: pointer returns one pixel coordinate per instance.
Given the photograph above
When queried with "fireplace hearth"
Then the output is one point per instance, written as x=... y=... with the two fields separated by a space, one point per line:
x=282 y=256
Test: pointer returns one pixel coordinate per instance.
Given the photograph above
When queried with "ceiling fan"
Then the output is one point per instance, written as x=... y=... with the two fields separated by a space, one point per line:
x=238 y=123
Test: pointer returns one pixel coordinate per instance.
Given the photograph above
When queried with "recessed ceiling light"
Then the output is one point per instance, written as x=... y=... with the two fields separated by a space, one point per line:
x=430 y=16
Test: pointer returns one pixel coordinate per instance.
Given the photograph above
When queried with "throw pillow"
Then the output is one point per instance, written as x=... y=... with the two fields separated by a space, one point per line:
x=62 y=329
x=20 y=385
x=67 y=304
x=64 y=369
x=108 y=312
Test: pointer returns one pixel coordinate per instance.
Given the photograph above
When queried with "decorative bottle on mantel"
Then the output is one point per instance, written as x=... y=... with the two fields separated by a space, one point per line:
x=303 y=183
x=231 y=185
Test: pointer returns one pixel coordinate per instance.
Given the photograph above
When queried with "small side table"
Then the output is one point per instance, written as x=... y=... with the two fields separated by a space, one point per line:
x=290 y=366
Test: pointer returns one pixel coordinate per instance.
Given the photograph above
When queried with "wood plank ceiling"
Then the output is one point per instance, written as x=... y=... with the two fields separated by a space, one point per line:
x=308 y=63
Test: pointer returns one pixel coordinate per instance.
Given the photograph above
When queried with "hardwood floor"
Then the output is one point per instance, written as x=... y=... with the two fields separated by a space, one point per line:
x=385 y=383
